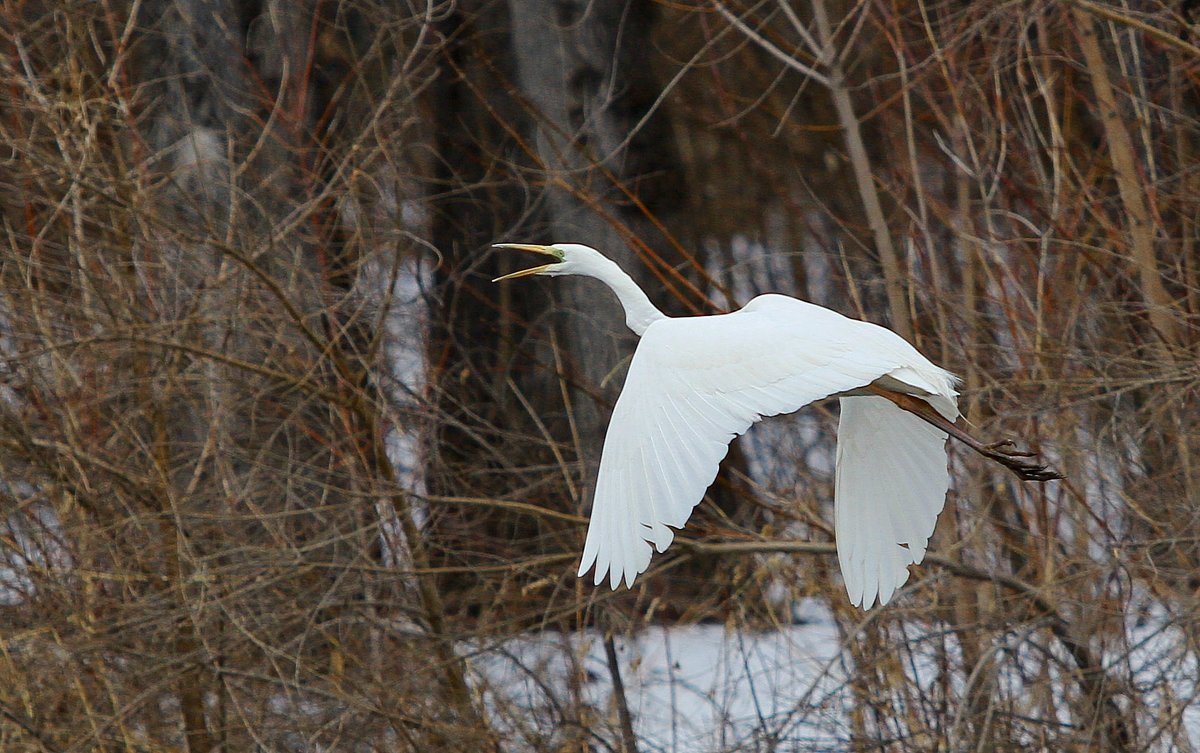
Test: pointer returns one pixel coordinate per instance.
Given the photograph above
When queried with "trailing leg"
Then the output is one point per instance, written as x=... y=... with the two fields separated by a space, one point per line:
x=1005 y=452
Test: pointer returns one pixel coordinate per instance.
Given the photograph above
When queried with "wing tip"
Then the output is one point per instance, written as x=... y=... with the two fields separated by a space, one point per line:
x=615 y=573
x=865 y=589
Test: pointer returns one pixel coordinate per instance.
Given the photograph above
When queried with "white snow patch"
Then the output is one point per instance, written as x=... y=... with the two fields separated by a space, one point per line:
x=692 y=688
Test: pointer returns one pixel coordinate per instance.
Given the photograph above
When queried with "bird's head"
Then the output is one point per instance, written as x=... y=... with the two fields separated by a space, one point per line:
x=567 y=259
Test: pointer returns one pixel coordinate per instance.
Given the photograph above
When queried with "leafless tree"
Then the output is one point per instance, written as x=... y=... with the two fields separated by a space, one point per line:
x=281 y=469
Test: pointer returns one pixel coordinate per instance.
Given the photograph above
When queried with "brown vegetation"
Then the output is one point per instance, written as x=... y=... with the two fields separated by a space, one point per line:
x=236 y=516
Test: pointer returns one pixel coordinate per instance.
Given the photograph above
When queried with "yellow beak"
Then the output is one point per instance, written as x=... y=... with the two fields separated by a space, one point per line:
x=546 y=250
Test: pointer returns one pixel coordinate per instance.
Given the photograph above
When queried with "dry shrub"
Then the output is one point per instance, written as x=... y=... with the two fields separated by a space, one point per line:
x=237 y=515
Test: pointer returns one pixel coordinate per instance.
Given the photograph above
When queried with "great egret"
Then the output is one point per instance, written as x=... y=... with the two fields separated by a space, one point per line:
x=697 y=382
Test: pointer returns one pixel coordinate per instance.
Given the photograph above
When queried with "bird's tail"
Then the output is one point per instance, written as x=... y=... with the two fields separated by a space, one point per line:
x=891 y=483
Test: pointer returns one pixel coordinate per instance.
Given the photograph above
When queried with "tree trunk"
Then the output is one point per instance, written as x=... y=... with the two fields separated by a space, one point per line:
x=494 y=389
x=616 y=182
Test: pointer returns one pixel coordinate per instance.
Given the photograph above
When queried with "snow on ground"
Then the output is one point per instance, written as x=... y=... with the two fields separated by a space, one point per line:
x=690 y=688
x=702 y=688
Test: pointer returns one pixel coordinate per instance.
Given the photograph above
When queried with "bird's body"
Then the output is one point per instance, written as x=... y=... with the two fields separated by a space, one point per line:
x=695 y=383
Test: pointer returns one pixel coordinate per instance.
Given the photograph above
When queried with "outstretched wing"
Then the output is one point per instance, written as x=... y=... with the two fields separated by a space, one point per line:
x=890 y=485
x=696 y=383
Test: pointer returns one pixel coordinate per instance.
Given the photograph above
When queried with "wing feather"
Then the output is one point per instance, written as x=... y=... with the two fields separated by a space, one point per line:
x=890 y=485
x=696 y=383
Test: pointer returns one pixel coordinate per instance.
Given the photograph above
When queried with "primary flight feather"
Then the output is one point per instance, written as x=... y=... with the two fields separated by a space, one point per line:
x=695 y=383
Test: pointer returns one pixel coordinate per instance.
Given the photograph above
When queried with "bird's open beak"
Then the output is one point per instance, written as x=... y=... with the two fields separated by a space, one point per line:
x=547 y=250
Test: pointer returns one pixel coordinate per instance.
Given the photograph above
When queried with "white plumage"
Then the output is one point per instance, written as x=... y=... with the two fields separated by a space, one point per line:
x=695 y=383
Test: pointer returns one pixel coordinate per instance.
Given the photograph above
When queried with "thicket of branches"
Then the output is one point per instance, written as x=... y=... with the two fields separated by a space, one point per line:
x=281 y=470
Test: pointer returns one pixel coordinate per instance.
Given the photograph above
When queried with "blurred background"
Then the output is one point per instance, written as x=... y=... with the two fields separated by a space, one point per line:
x=281 y=470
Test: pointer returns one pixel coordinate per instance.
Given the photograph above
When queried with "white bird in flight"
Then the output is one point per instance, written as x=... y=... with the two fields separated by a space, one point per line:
x=697 y=382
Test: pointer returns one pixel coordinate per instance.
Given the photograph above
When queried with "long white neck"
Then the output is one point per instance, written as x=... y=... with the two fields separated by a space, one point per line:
x=640 y=313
